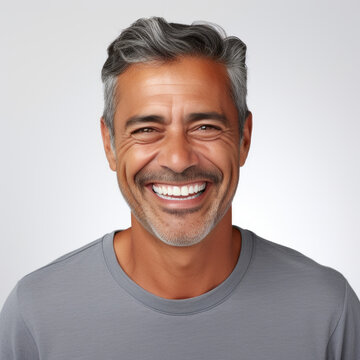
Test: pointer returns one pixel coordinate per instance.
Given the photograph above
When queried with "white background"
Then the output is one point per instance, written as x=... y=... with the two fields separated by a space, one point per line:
x=300 y=186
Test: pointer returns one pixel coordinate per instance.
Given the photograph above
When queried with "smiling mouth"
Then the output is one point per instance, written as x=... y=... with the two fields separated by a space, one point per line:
x=184 y=192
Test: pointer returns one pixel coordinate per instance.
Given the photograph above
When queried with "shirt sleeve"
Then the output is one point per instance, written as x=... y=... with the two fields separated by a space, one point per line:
x=344 y=343
x=16 y=341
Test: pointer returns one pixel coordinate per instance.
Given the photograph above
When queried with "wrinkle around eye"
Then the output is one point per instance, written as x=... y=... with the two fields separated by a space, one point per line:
x=206 y=132
x=146 y=134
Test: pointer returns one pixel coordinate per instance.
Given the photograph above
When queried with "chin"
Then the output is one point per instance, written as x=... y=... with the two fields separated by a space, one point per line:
x=181 y=240
x=181 y=236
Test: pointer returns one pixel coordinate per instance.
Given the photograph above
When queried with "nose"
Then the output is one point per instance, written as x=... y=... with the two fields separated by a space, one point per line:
x=177 y=153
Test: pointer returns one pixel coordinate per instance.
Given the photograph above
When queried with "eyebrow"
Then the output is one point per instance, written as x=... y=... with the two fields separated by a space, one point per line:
x=212 y=115
x=144 y=119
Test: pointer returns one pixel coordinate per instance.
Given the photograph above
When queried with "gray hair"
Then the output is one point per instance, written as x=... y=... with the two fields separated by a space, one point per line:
x=156 y=39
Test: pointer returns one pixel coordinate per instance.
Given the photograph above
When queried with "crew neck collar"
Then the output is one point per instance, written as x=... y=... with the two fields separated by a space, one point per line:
x=188 y=306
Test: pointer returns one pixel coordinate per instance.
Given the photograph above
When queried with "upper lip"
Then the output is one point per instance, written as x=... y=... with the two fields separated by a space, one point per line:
x=178 y=184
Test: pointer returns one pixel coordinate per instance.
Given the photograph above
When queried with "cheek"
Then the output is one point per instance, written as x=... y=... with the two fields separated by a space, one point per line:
x=132 y=158
x=223 y=154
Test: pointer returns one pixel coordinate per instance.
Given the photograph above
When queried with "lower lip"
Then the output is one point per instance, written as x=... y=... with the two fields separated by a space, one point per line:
x=183 y=202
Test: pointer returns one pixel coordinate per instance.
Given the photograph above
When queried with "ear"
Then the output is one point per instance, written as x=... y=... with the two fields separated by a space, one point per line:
x=105 y=133
x=246 y=139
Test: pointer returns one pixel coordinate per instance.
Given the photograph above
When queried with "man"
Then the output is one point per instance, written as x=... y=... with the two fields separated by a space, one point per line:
x=182 y=282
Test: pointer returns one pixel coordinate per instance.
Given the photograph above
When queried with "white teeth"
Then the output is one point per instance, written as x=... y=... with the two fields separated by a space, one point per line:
x=179 y=198
x=178 y=190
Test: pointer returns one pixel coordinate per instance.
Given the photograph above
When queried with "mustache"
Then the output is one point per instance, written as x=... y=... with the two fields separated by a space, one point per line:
x=191 y=174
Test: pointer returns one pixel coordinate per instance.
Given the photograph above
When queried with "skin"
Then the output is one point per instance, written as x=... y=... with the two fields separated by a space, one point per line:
x=176 y=123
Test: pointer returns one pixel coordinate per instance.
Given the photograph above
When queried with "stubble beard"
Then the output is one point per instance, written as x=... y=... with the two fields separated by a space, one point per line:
x=185 y=232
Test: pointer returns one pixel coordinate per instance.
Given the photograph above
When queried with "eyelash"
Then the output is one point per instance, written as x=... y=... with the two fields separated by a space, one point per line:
x=208 y=126
x=143 y=130
x=202 y=127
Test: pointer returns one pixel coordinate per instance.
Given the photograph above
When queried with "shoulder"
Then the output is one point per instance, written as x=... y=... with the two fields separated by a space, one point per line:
x=292 y=263
x=53 y=293
x=63 y=265
x=62 y=279
x=296 y=279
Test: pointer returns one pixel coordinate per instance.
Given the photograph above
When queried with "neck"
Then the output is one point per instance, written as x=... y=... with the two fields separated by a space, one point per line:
x=178 y=272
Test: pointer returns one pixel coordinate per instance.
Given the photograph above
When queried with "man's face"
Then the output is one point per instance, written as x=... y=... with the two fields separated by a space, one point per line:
x=177 y=147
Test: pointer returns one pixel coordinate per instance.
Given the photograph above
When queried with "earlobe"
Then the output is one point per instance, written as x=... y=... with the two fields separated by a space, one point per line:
x=246 y=139
x=110 y=155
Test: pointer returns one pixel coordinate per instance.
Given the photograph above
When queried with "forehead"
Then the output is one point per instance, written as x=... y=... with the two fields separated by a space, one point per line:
x=184 y=82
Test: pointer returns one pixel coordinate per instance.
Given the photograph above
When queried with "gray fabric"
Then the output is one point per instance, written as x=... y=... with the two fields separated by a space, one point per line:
x=276 y=304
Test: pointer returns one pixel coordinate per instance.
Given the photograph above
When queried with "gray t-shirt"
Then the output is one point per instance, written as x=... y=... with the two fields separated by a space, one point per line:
x=277 y=304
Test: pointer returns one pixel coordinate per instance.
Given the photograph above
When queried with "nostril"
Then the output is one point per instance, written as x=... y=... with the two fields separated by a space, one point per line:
x=177 y=155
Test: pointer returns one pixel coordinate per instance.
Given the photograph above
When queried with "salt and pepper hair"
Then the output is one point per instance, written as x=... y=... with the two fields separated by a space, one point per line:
x=155 y=39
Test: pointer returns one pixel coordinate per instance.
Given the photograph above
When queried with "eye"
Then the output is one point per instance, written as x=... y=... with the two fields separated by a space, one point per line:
x=143 y=130
x=146 y=134
x=206 y=131
x=208 y=127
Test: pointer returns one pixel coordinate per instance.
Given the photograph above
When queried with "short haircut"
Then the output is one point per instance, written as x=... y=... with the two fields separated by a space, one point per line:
x=155 y=39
